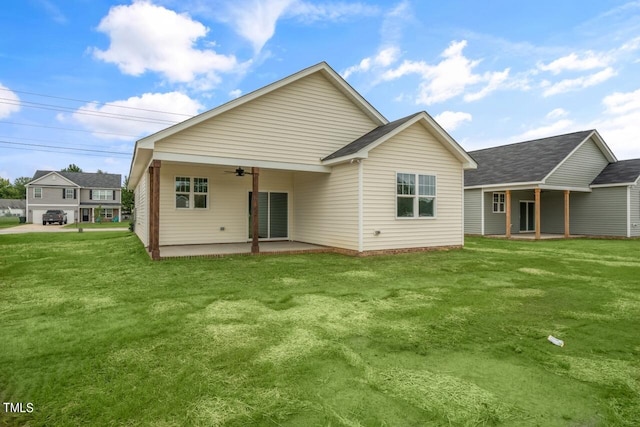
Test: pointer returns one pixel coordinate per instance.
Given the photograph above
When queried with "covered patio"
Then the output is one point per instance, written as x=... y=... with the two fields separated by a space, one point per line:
x=224 y=249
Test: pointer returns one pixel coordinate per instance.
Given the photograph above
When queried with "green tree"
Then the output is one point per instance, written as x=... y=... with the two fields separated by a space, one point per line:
x=6 y=189
x=127 y=197
x=19 y=186
x=71 y=168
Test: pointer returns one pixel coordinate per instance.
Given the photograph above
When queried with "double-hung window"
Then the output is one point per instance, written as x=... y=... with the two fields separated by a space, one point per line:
x=415 y=195
x=498 y=203
x=192 y=192
x=101 y=194
x=37 y=192
x=183 y=189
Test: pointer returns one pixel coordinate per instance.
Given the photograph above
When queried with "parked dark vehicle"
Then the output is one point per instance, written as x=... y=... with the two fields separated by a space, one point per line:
x=54 y=215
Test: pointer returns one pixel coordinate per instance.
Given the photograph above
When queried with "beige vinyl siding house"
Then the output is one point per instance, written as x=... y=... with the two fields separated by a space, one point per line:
x=326 y=166
x=413 y=151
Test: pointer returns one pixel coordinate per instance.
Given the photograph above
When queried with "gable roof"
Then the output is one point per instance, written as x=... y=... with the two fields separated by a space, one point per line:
x=360 y=148
x=620 y=172
x=143 y=147
x=321 y=67
x=369 y=138
x=85 y=179
x=528 y=161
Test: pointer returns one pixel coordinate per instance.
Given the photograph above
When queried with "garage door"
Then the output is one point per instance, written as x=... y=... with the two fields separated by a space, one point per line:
x=37 y=215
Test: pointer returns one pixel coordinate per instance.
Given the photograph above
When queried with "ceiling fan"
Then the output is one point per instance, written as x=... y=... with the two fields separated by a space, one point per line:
x=239 y=172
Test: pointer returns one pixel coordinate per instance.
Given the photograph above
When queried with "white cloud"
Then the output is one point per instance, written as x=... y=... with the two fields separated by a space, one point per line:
x=557 y=128
x=236 y=93
x=620 y=123
x=146 y=37
x=383 y=58
x=620 y=103
x=450 y=77
x=141 y=115
x=311 y=12
x=10 y=103
x=572 y=62
x=556 y=113
x=256 y=20
x=578 y=83
x=450 y=120
x=496 y=80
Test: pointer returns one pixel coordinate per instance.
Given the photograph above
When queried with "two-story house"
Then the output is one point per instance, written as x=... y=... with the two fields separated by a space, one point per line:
x=83 y=196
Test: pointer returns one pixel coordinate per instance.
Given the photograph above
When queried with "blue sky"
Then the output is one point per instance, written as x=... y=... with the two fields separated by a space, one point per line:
x=81 y=80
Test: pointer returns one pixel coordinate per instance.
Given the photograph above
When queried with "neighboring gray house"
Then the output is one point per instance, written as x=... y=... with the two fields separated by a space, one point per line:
x=567 y=184
x=79 y=194
x=12 y=207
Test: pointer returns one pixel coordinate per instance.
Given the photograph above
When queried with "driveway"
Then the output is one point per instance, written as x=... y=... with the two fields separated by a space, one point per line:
x=39 y=228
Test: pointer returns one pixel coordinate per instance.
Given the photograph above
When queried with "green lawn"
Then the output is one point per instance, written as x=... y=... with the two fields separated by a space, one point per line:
x=8 y=221
x=94 y=333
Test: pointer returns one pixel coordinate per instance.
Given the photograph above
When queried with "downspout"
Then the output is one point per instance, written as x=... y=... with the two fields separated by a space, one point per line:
x=628 y=211
x=360 y=206
x=462 y=207
x=482 y=211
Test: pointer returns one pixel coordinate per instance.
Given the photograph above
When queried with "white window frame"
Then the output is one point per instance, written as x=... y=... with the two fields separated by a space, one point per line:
x=106 y=213
x=68 y=193
x=501 y=205
x=416 y=196
x=37 y=194
x=98 y=195
x=196 y=191
x=191 y=192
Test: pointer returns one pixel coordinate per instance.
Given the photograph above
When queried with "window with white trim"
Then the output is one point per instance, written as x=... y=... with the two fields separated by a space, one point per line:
x=200 y=192
x=196 y=195
x=37 y=192
x=105 y=213
x=499 y=203
x=69 y=193
x=102 y=195
x=183 y=188
x=415 y=195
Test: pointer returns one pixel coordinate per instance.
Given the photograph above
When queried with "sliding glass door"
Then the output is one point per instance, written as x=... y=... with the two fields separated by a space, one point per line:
x=273 y=215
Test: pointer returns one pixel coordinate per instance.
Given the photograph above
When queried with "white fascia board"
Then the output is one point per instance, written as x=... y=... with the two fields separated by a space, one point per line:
x=597 y=139
x=562 y=188
x=71 y=183
x=139 y=164
x=431 y=125
x=506 y=186
x=449 y=142
x=603 y=147
x=620 y=184
x=229 y=161
x=346 y=159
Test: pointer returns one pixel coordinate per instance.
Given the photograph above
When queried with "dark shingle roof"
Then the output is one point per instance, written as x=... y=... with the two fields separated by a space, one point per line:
x=87 y=180
x=12 y=203
x=528 y=161
x=369 y=138
x=621 y=172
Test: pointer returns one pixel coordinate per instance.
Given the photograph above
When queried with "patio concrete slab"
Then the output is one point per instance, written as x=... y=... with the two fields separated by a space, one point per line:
x=532 y=236
x=221 y=249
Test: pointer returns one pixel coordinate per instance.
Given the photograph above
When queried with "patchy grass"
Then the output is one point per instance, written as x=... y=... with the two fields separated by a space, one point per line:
x=9 y=221
x=94 y=333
